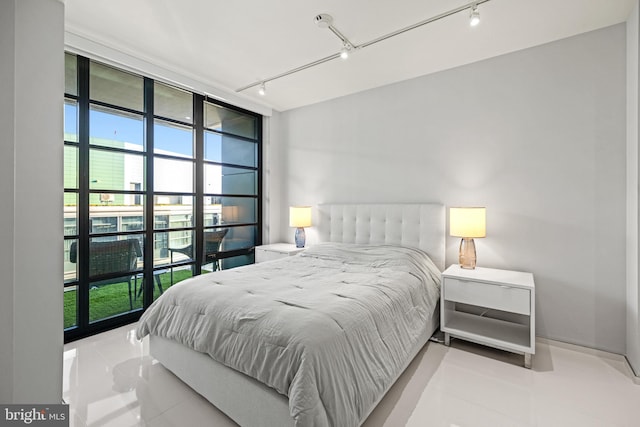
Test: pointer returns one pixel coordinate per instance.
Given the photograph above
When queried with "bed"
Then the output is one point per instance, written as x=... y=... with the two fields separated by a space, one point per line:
x=308 y=340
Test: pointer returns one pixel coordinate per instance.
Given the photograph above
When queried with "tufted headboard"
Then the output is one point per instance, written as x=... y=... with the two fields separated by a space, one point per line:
x=414 y=225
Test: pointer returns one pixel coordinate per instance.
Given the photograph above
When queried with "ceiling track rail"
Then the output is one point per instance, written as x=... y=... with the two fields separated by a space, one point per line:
x=347 y=43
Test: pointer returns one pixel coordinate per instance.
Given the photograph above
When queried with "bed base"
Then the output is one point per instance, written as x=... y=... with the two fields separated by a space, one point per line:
x=245 y=400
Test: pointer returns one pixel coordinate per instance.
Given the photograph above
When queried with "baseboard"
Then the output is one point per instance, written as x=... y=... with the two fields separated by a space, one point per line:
x=595 y=352
x=634 y=377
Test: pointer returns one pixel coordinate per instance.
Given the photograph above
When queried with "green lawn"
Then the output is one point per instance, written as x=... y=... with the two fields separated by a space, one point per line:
x=110 y=300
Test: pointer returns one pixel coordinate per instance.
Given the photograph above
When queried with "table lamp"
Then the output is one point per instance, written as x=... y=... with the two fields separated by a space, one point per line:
x=300 y=217
x=467 y=223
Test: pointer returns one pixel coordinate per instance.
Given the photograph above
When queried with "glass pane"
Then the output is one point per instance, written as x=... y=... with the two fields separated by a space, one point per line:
x=70 y=306
x=116 y=129
x=115 y=87
x=109 y=170
x=172 y=247
x=210 y=266
x=236 y=261
x=172 y=139
x=169 y=277
x=212 y=179
x=173 y=175
x=70 y=199
x=70 y=214
x=212 y=211
x=161 y=282
x=229 y=210
x=132 y=222
x=229 y=121
x=70 y=120
x=239 y=238
x=173 y=212
x=112 y=213
x=172 y=103
x=70 y=167
x=229 y=180
x=113 y=297
x=226 y=149
x=103 y=223
x=239 y=152
x=70 y=74
x=70 y=260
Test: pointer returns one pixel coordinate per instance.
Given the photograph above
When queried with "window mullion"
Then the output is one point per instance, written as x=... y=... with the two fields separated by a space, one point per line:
x=258 y=242
x=198 y=111
x=83 y=193
x=149 y=199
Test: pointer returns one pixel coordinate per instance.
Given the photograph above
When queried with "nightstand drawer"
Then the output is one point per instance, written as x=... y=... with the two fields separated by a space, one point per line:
x=499 y=297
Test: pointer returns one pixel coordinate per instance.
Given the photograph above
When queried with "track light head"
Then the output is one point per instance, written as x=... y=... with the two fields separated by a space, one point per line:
x=345 y=51
x=262 y=91
x=474 y=17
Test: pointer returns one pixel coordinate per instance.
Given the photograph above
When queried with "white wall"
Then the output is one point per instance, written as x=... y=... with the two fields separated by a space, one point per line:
x=633 y=218
x=32 y=87
x=7 y=101
x=274 y=173
x=536 y=136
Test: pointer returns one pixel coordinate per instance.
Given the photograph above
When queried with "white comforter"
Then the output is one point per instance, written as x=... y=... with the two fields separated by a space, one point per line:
x=330 y=328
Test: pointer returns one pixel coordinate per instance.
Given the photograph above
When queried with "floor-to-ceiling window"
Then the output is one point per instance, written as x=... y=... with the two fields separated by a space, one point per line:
x=160 y=184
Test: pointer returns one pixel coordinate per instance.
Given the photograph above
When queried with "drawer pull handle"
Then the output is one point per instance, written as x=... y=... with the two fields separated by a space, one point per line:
x=505 y=287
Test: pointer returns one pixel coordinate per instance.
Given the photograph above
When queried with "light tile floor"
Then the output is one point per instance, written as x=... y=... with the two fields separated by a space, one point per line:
x=110 y=380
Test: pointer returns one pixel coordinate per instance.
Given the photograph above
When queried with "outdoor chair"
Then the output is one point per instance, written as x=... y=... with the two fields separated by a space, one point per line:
x=212 y=241
x=113 y=259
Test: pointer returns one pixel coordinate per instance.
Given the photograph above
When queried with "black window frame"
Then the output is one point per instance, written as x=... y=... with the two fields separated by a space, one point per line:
x=83 y=327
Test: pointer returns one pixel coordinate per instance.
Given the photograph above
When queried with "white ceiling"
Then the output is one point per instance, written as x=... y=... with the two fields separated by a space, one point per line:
x=230 y=44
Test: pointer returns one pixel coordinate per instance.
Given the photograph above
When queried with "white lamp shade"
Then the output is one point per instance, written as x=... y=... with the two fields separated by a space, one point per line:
x=300 y=216
x=468 y=222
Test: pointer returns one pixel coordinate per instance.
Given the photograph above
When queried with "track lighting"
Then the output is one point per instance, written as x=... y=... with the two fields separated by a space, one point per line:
x=324 y=20
x=263 y=90
x=474 y=17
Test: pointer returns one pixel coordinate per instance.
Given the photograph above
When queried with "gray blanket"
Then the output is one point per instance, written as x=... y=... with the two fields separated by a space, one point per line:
x=330 y=328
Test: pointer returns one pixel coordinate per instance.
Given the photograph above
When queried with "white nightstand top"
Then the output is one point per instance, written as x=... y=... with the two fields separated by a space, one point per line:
x=285 y=248
x=518 y=279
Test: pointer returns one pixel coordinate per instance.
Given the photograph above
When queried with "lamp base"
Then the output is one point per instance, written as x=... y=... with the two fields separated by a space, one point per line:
x=300 y=237
x=467 y=254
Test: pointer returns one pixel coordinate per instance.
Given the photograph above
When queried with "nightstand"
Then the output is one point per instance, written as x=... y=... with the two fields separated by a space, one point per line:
x=490 y=307
x=276 y=251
